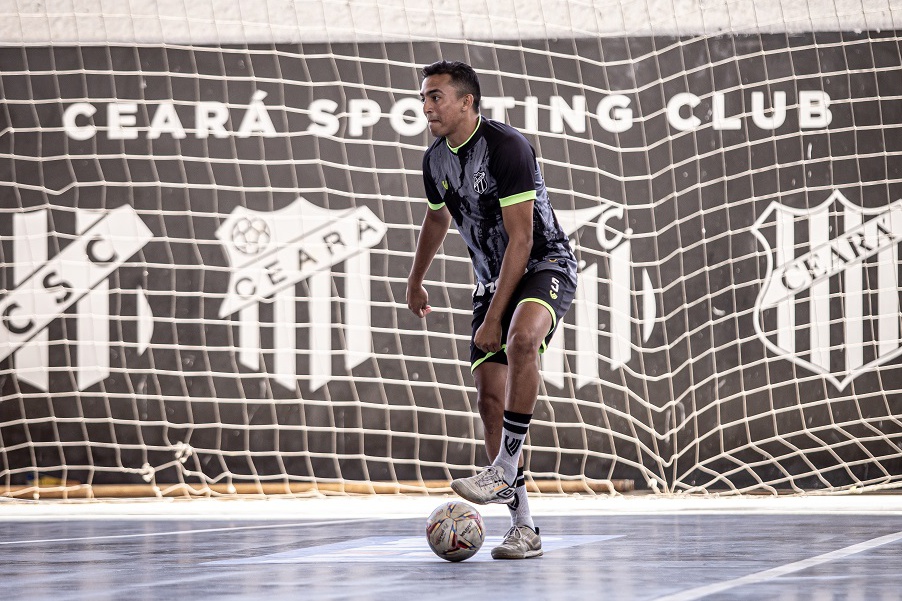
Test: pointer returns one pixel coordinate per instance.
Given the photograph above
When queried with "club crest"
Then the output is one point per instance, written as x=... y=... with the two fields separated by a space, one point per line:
x=830 y=299
x=270 y=254
x=479 y=182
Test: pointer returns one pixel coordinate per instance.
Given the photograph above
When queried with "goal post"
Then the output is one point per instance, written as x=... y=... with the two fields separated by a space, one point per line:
x=207 y=219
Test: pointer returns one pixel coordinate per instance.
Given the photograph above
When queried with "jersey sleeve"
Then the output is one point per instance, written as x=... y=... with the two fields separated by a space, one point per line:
x=433 y=197
x=514 y=168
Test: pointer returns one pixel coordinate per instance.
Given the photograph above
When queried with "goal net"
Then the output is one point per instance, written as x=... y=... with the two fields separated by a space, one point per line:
x=208 y=214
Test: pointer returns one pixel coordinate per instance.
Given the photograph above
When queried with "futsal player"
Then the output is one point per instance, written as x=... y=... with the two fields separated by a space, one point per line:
x=483 y=175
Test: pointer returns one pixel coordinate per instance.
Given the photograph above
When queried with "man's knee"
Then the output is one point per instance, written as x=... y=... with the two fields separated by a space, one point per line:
x=490 y=404
x=523 y=345
x=528 y=329
x=491 y=381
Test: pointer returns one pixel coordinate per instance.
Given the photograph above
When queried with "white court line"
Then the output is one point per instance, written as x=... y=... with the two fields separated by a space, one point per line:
x=174 y=532
x=396 y=507
x=719 y=587
x=395 y=550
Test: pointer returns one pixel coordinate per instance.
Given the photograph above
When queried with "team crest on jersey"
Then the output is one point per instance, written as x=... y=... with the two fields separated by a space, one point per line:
x=830 y=300
x=479 y=182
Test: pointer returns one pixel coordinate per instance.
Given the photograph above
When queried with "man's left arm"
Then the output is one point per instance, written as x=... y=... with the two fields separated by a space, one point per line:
x=517 y=220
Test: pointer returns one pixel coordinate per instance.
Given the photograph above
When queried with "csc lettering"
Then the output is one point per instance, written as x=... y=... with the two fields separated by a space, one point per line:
x=58 y=290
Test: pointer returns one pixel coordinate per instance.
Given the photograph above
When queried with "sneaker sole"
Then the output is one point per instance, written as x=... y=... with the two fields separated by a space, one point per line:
x=464 y=492
x=505 y=554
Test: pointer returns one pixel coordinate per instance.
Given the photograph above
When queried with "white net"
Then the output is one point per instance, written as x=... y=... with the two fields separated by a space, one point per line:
x=207 y=222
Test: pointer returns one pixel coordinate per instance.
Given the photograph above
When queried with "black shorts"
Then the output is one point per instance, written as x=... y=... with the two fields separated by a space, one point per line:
x=551 y=288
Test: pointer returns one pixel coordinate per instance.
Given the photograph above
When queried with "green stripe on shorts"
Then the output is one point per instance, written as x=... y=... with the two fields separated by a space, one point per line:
x=544 y=304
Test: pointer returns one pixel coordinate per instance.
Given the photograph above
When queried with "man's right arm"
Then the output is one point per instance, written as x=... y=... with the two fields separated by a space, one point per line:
x=432 y=234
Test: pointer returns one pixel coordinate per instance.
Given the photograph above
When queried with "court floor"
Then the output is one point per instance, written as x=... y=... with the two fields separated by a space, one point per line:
x=627 y=548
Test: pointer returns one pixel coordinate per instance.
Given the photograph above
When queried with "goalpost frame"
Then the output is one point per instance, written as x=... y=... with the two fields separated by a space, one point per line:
x=181 y=177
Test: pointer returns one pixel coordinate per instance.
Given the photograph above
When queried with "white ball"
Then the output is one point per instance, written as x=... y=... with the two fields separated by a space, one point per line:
x=455 y=531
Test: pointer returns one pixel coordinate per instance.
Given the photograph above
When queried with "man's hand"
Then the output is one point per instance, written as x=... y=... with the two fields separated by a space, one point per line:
x=418 y=300
x=488 y=336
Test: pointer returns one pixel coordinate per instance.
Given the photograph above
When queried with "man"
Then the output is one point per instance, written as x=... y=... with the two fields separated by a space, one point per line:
x=484 y=175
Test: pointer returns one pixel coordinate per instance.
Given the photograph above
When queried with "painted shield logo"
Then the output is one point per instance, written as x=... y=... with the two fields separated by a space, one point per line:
x=830 y=300
x=73 y=284
x=604 y=331
x=270 y=253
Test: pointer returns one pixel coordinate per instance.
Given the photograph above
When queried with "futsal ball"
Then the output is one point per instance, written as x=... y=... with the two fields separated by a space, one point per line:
x=455 y=531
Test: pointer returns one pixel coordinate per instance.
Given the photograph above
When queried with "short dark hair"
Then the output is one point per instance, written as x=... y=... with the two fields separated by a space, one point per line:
x=463 y=77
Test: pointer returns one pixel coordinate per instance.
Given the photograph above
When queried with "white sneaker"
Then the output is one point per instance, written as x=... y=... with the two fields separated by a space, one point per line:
x=520 y=542
x=488 y=486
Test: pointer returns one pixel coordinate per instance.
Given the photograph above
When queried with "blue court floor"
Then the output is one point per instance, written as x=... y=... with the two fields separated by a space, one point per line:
x=641 y=548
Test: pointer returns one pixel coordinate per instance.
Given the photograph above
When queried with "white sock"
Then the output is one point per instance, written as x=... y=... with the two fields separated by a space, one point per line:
x=519 y=508
x=512 y=436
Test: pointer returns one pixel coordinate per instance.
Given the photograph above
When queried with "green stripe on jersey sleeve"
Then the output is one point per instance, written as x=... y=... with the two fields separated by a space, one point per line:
x=517 y=198
x=436 y=207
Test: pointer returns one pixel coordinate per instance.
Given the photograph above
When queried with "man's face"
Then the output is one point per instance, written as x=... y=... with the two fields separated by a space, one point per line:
x=444 y=110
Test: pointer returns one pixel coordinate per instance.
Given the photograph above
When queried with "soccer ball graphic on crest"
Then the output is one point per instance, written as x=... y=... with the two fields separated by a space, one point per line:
x=455 y=531
x=251 y=235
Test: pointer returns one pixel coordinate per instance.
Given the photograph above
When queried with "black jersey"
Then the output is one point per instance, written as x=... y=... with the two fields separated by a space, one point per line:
x=496 y=167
